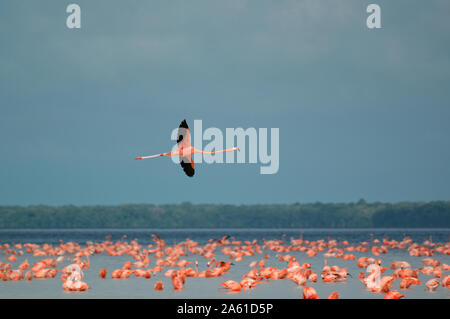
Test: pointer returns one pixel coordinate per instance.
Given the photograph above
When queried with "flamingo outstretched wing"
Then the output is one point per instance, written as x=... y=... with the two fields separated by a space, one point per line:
x=184 y=142
x=188 y=165
x=184 y=136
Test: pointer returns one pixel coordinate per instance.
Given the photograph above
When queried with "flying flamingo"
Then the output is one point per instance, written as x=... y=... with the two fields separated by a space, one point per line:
x=184 y=150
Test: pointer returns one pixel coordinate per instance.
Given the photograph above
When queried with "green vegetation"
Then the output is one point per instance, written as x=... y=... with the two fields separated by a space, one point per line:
x=187 y=215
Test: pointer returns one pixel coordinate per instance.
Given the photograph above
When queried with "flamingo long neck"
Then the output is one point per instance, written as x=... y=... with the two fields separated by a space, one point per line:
x=372 y=278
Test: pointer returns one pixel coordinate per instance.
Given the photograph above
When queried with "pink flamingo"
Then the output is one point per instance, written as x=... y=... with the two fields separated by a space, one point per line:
x=184 y=150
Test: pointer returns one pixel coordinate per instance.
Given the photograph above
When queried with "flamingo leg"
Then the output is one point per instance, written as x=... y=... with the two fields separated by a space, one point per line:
x=221 y=151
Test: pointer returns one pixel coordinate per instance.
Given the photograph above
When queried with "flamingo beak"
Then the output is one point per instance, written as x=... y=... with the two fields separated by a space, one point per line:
x=138 y=158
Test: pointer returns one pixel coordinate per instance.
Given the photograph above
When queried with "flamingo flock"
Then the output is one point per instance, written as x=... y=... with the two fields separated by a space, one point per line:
x=219 y=257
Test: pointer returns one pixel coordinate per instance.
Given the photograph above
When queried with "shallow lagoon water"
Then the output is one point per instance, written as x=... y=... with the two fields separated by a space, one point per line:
x=210 y=287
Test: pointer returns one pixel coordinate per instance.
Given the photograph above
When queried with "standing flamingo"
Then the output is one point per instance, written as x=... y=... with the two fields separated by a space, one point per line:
x=184 y=150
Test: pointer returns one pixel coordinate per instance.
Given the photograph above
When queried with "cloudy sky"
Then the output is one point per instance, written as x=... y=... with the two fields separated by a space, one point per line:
x=362 y=113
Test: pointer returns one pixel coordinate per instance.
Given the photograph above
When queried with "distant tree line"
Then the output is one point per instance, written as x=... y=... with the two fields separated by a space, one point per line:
x=186 y=215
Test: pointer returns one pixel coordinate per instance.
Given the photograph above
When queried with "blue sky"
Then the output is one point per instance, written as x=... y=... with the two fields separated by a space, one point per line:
x=362 y=113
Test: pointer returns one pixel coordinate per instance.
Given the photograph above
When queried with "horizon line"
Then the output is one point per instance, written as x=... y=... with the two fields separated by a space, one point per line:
x=361 y=201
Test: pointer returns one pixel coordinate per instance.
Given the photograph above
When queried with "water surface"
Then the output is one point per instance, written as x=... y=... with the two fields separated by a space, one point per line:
x=210 y=287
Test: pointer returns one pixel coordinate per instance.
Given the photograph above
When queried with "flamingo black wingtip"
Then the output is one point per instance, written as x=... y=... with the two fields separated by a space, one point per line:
x=184 y=124
x=187 y=168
